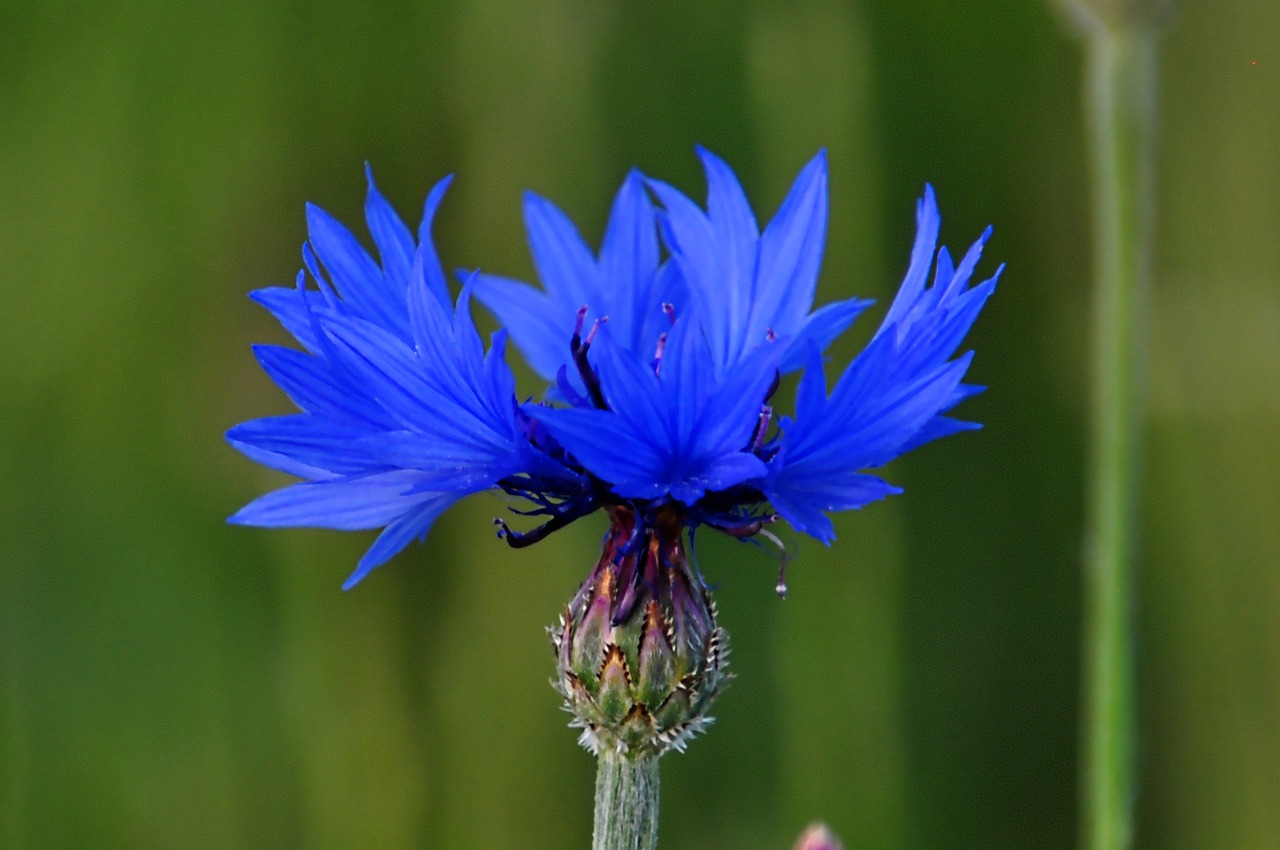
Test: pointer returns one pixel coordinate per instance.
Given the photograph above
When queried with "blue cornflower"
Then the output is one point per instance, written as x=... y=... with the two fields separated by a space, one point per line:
x=662 y=351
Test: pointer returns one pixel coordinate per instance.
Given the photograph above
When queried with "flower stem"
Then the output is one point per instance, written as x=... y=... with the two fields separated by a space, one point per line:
x=1120 y=103
x=626 y=803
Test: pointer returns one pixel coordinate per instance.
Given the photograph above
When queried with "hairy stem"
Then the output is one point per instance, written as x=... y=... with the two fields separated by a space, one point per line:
x=626 y=803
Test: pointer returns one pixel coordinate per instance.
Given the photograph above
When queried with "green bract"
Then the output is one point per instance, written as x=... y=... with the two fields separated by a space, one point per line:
x=639 y=669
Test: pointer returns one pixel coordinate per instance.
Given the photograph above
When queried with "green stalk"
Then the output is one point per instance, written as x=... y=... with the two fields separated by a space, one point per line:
x=1120 y=104
x=626 y=803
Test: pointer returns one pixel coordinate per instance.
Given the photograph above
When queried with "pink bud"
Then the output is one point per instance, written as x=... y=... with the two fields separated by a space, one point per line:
x=818 y=837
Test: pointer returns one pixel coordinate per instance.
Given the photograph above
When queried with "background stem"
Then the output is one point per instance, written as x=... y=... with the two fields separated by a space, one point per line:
x=1120 y=104
x=626 y=803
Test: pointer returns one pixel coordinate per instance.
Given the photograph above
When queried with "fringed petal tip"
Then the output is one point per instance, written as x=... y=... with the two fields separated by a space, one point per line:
x=397 y=535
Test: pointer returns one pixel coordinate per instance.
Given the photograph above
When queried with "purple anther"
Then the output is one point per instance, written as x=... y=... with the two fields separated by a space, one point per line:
x=769 y=335
x=657 y=354
x=595 y=329
x=670 y=310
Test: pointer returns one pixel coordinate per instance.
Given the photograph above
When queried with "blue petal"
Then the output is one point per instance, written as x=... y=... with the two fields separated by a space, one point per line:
x=891 y=397
x=942 y=333
x=312 y=383
x=628 y=262
x=416 y=523
x=447 y=465
x=394 y=241
x=791 y=252
x=404 y=410
x=861 y=433
x=612 y=453
x=540 y=330
x=385 y=370
x=697 y=251
x=717 y=473
x=937 y=428
x=565 y=264
x=290 y=307
x=821 y=328
x=431 y=272
x=737 y=236
x=627 y=285
x=353 y=272
x=728 y=416
x=283 y=463
x=348 y=504
x=680 y=432
x=746 y=285
x=804 y=507
x=317 y=442
x=927 y=223
x=428 y=400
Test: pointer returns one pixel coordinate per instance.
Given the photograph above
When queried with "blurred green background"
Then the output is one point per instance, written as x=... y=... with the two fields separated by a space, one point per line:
x=167 y=680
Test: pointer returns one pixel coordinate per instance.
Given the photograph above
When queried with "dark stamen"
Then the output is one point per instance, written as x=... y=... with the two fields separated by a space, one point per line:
x=762 y=426
x=576 y=339
x=579 y=347
x=519 y=540
x=747 y=529
x=670 y=310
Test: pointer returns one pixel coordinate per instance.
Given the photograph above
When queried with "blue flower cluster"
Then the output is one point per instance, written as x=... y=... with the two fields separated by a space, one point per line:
x=662 y=352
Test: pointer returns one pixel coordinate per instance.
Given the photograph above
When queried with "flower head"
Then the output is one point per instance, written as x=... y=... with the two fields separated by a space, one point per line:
x=663 y=352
